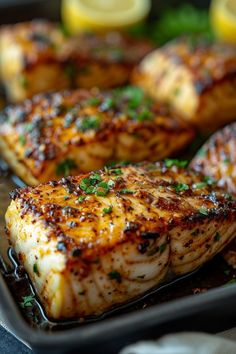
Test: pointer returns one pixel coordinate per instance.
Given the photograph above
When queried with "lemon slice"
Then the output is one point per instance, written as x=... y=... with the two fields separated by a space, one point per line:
x=103 y=15
x=223 y=18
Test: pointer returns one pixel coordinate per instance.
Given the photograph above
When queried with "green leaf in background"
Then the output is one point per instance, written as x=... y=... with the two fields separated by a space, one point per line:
x=174 y=22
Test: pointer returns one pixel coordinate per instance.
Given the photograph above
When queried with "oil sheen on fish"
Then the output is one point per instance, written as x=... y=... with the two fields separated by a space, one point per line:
x=54 y=135
x=38 y=56
x=97 y=240
x=197 y=78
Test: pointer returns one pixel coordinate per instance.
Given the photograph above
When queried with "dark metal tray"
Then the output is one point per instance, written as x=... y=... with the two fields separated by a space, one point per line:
x=175 y=306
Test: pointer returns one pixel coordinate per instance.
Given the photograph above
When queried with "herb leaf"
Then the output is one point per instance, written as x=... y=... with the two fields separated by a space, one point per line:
x=175 y=162
x=115 y=275
x=64 y=168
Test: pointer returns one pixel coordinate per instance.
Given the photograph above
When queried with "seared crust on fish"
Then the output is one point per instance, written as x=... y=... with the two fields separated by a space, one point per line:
x=217 y=158
x=54 y=135
x=98 y=240
x=37 y=57
x=196 y=78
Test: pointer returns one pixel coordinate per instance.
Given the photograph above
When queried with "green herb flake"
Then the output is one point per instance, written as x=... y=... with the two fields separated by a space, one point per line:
x=203 y=210
x=162 y=247
x=107 y=210
x=66 y=197
x=230 y=282
x=102 y=189
x=116 y=171
x=217 y=237
x=175 y=162
x=177 y=91
x=64 y=168
x=114 y=275
x=199 y=185
x=209 y=181
x=126 y=191
x=35 y=269
x=107 y=104
x=88 y=123
x=80 y=199
x=27 y=301
x=93 y=101
x=180 y=187
x=22 y=139
x=141 y=276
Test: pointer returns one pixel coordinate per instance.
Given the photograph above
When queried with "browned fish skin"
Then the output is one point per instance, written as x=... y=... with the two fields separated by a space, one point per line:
x=65 y=133
x=37 y=57
x=217 y=158
x=97 y=240
x=197 y=79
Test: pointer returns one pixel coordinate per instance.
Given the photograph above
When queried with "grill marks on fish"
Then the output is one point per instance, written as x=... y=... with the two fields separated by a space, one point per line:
x=102 y=258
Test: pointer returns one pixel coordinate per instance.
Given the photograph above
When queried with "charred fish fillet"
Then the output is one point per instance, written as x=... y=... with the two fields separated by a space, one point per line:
x=217 y=158
x=65 y=133
x=98 y=240
x=196 y=78
x=37 y=57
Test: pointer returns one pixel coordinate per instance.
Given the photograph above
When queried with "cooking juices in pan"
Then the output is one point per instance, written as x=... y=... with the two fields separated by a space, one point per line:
x=214 y=274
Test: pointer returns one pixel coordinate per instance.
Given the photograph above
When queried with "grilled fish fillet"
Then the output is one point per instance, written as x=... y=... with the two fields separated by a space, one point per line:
x=37 y=57
x=98 y=240
x=196 y=78
x=58 y=134
x=217 y=158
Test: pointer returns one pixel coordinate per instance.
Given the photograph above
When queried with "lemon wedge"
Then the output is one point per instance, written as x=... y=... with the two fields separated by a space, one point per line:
x=223 y=18
x=103 y=15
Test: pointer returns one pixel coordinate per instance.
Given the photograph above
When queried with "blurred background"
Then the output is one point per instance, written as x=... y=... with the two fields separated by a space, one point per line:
x=51 y=9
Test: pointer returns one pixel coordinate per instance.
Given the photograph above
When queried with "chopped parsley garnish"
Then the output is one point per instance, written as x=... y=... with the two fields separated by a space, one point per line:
x=116 y=171
x=207 y=181
x=107 y=104
x=217 y=237
x=88 y=123
x=181 y=187
x=102 y=189
x=35 y=269
x=199 y=185
x=80 y=199
x=27 y=301
x=175 y=162
x=162 y=247
x=94 y=185
x=115 y=275
x=22 y=139
x=64 y=168
x=177 y=91
x=232 y=281
x=93 y=101
x=66 y=197
x=126 y=191
x=107 y=210
x=203 y=210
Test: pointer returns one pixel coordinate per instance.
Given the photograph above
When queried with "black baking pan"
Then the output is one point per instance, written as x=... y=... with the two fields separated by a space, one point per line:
x=175 y=306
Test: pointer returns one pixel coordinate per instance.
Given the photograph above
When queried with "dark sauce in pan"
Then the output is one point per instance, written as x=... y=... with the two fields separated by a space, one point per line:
x=213 y=274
